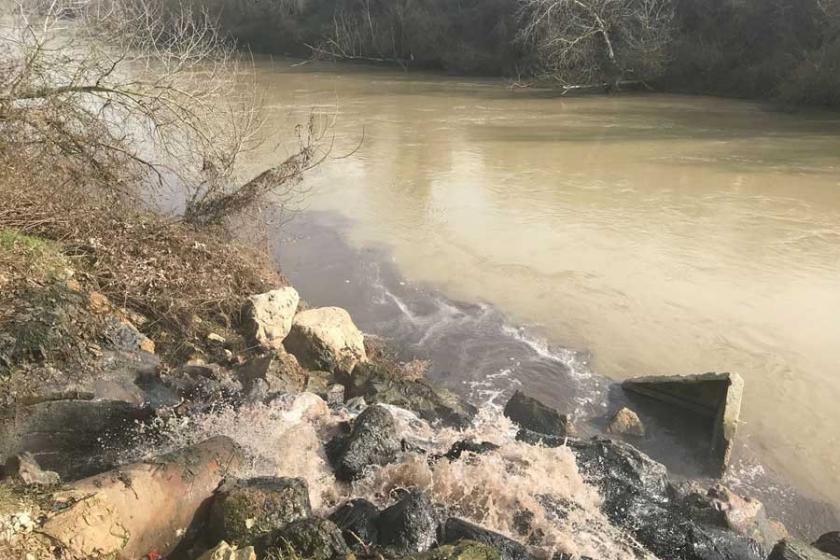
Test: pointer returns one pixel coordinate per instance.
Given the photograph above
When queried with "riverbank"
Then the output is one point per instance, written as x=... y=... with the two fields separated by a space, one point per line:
x=336 y=419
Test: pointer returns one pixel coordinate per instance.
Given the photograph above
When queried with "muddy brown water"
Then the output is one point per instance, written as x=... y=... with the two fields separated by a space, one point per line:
x=518 y=238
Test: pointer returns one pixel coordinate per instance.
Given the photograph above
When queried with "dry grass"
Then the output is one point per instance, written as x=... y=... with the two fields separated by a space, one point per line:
x=186 y=282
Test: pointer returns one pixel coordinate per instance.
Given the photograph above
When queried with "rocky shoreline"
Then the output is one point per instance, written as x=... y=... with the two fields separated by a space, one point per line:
x=365 y=458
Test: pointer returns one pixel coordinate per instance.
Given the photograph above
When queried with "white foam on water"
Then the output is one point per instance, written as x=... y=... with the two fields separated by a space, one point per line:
x=285 y=438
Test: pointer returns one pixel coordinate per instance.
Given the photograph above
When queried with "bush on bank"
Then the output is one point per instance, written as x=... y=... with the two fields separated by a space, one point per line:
x=783 y=50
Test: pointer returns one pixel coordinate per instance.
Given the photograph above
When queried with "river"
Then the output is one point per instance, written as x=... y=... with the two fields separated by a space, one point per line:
x=605 y=237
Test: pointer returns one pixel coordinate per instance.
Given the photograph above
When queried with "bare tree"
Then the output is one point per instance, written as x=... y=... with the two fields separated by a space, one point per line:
x=120 y=91
x=582 y=43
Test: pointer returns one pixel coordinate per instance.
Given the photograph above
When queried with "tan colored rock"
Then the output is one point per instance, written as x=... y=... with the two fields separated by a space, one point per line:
x=326 y=339
x=147 y=345
x=141 y=507
x=626 y=422
x=99 y=303
x=223 y=551
x=270 y=316
x=746 y=516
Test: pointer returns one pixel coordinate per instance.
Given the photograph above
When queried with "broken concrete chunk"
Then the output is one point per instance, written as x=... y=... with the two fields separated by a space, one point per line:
x=144 y=506
x=713 y=395
x=533 y=415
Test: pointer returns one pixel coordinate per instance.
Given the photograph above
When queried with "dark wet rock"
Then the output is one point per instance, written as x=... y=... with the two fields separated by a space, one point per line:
x=75 y=437
x=636 y=497
x=791 y=549
x=531 y=414
x=335 y=395
x=461 y=550
x=455 y=530
x=716 y=396
x=410 y=525
x=829 y=543
x=358 y=521
x=433 y=404
x=313 y=539
x=204 y=385
x=243 y=510
x=373 y=441
x=24 y=468
x=459 y=448
x=542 y=440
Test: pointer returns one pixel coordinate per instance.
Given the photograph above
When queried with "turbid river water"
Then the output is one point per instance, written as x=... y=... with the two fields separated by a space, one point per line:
x=520 y=238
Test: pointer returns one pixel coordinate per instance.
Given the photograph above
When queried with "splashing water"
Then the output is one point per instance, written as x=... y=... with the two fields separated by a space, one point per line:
x=532 y=494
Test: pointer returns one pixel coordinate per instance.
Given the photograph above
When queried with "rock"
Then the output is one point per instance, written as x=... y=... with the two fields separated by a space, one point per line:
x=223 y=551
x=829 y=543
x=98 y=303
x=467 y=446
x=410 y=525
x=326 y=339
x=214 y=338
x=280 y=370
x=312 y=539
x=462 y=550
x=70 y=433
x=636 y=496
x=358 y=520
x=373 y=441
x=713 y=395
x=790 y=549
x=143 y=506
x=123 y=336
x=204 y=386
x=269 y=316
x=533 y=415
x=243 y=510
x=433 y=404
x=626 y=422
x=335 y=395
x=24 y=467
x=746 y=516
x=456 y=530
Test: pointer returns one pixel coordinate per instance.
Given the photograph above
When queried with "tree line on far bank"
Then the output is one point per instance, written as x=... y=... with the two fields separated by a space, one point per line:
x=784 y=50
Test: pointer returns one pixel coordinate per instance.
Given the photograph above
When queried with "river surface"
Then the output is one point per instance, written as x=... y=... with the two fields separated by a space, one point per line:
x=605 y=237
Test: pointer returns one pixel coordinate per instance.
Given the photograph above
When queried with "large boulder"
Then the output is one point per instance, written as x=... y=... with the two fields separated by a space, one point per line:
x=829 y=543
x=243 y=510
x=144 y=506
x=326 y=339
x=359 y=522
x=374 y=440
x=312 y=539
x=456 y=530
x=790 y=549
x=433 y=404
x=531 y=414
x=269 y=316
x=410 y=525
